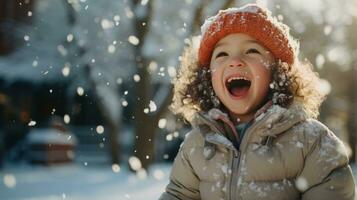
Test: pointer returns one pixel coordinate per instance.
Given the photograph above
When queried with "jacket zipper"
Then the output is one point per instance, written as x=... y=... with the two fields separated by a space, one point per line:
x=236 y=161
x=234 y=177
x=234 y=188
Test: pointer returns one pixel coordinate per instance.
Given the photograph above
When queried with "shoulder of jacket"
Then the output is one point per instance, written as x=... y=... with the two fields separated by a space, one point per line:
x=193 y=139
x=315 y=132
x=312 y=127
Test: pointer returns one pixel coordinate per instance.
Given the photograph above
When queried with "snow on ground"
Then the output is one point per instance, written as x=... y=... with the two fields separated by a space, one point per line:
x=79 y=182
x=76 y=182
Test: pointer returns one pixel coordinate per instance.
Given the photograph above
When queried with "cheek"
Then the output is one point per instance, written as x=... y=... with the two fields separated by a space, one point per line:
x=216 y=81
x=213 y=67
x=268 y=75
x=263 y=77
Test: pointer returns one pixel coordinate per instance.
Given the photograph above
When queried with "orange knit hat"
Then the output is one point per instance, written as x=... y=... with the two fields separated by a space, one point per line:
x=252 y=20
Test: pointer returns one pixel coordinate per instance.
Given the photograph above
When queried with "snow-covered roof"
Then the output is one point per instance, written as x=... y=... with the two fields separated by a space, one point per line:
x=50 y=136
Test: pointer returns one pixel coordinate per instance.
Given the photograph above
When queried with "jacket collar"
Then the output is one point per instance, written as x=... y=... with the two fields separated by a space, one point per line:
x=269 y=121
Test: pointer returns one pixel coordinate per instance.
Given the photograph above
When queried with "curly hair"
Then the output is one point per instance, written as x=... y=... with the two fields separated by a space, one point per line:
x=291 y=84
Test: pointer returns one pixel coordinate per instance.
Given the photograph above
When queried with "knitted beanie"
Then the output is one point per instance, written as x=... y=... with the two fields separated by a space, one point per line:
x=254 y=21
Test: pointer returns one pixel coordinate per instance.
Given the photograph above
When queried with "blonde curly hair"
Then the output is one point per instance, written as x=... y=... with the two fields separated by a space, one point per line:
x=295 y=84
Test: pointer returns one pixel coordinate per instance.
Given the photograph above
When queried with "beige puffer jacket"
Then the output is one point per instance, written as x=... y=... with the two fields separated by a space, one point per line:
x=282 y=155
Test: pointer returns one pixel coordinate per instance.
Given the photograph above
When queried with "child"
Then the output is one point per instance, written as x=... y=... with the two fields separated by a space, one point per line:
x=253 y=107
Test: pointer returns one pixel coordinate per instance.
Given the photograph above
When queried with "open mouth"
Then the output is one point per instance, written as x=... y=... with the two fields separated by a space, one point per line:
x=238 y=86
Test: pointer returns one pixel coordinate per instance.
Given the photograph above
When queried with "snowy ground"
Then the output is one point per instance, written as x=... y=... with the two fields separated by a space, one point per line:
x=75 y=182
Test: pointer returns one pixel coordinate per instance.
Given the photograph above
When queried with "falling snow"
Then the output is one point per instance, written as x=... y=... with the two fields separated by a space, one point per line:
x=32 y=123
x=97 y=52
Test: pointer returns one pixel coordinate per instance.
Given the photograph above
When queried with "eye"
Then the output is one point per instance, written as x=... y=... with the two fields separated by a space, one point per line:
x=252 y=50
x=221 y=54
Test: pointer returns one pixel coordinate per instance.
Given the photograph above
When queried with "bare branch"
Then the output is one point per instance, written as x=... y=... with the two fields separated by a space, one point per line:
x=71 y=13
x=141 y=23
x=227 y=4
x=197 y=20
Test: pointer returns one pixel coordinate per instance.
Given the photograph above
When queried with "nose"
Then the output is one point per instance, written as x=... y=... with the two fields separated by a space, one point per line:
x=236 y=62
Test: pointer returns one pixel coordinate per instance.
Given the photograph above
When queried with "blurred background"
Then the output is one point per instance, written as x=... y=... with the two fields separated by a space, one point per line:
x=85 y=87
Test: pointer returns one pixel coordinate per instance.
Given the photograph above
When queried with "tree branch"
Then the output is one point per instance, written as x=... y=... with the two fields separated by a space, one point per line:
x=71 y=13
x=227 y=4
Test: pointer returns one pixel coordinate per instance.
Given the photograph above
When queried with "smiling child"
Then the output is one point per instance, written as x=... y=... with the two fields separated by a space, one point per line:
x=253 y=107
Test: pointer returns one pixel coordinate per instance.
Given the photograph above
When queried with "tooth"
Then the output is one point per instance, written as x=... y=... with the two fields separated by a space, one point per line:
x=237 y=78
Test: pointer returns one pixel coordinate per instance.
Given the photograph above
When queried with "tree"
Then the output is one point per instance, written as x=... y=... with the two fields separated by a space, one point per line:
x=106 y=97
x=145 y=124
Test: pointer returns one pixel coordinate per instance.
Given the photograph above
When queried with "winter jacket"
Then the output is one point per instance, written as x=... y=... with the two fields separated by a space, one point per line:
x=282 y=155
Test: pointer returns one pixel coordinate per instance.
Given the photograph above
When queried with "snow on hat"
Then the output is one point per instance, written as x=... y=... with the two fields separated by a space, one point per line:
x=252 y=20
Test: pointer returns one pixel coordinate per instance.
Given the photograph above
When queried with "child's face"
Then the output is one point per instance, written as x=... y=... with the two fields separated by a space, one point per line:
x=241 y=73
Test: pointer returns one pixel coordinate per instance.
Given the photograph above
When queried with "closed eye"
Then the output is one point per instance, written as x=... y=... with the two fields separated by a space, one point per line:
x=252 y=50
x=221 y=54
